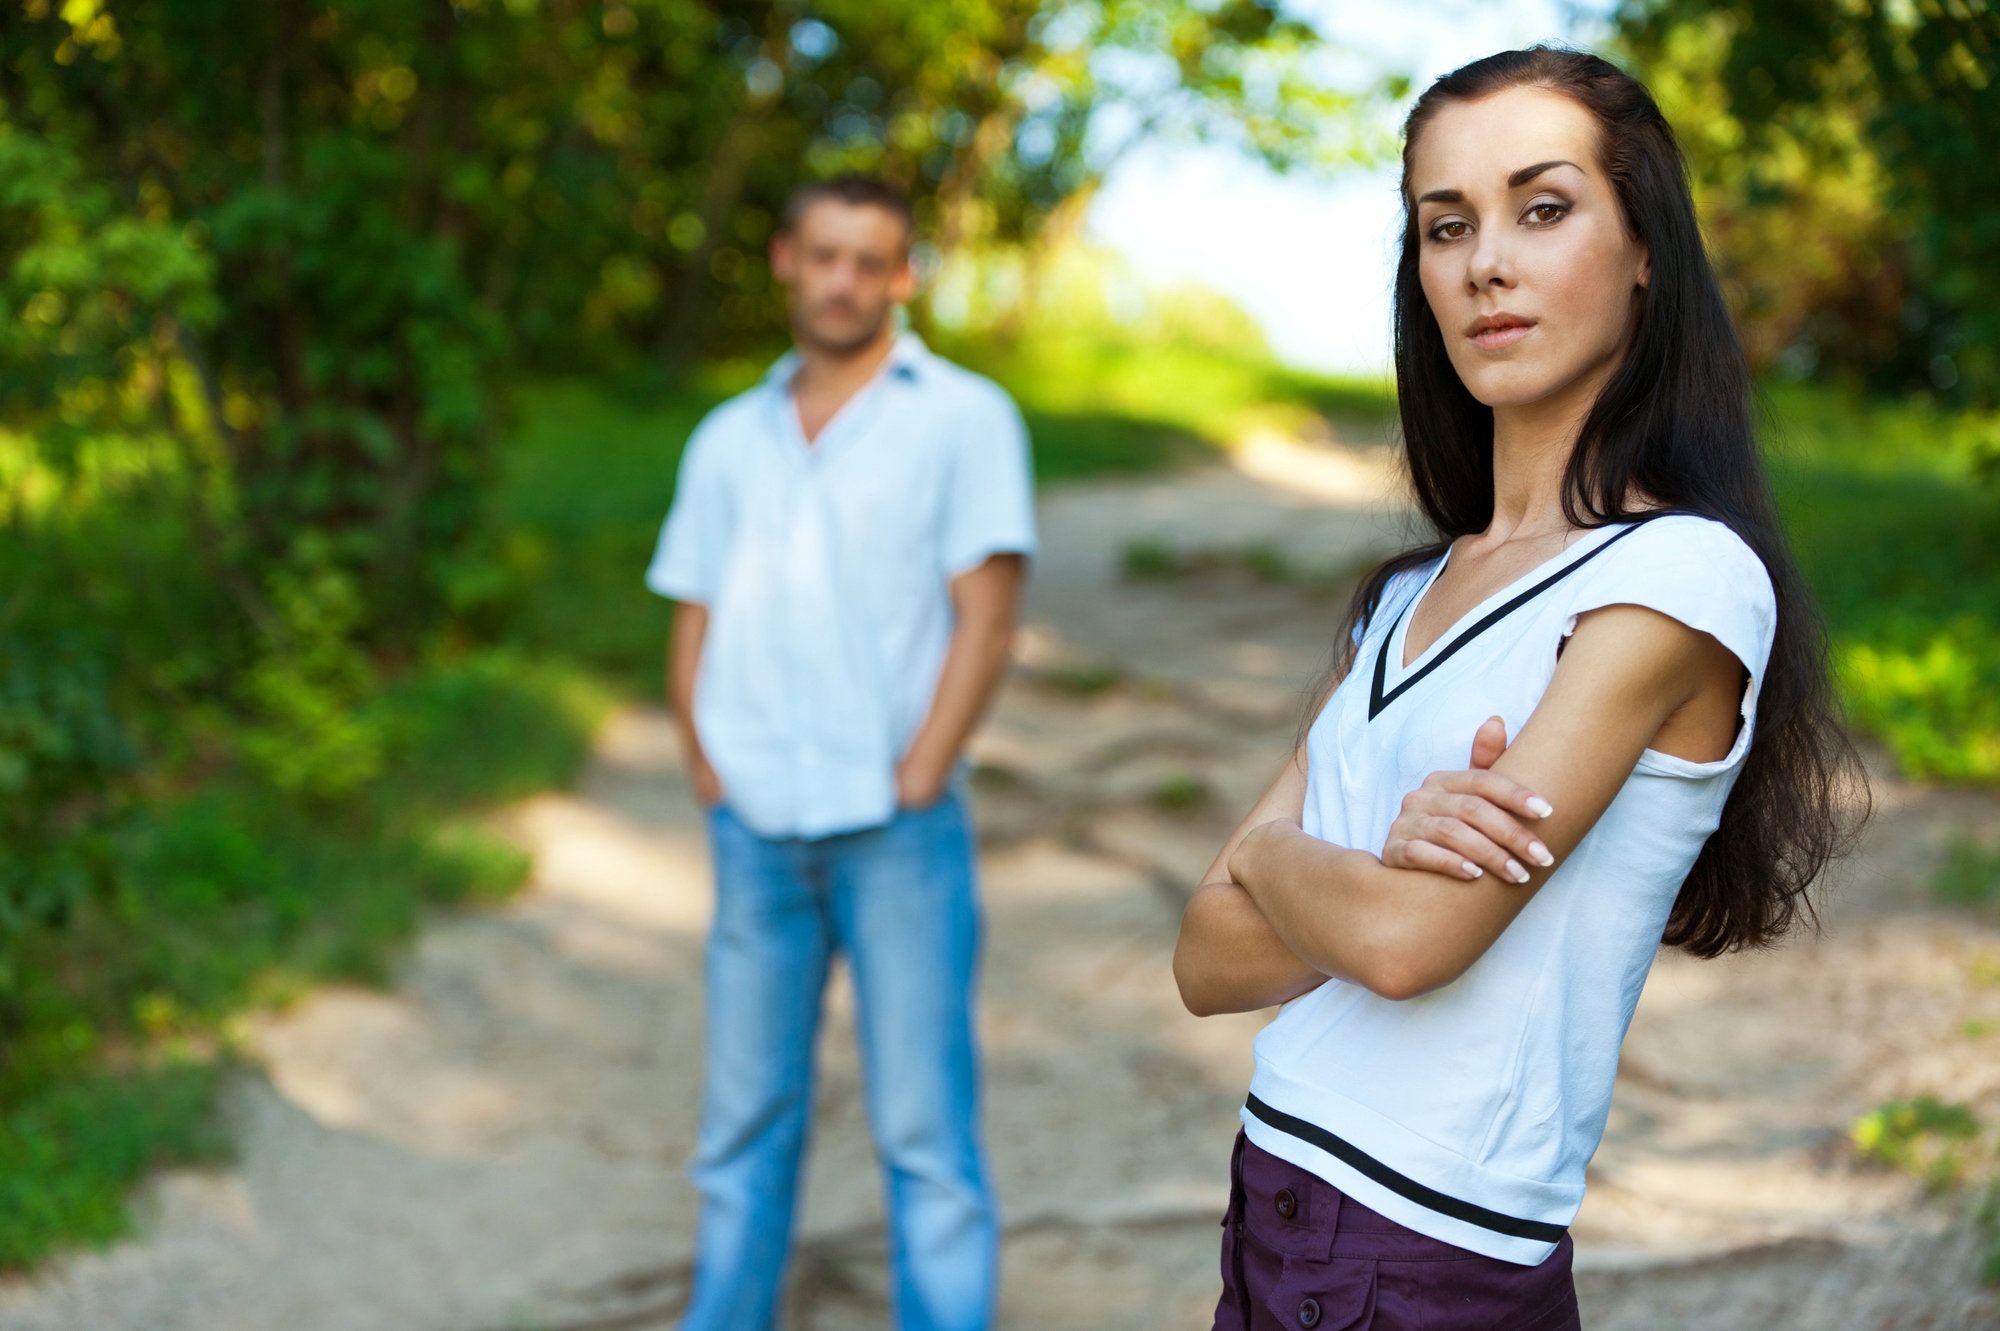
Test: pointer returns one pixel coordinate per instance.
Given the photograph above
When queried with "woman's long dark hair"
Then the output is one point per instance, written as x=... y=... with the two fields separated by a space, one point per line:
x=1674 y=424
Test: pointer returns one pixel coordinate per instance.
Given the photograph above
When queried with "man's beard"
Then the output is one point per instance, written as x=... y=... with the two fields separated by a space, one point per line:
x=844 y=343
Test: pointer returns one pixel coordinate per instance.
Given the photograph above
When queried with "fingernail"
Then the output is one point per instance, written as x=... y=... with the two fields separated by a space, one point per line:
x=1541 y=854
x=1472 y=869
x=1516 y=872
x=1539 y=806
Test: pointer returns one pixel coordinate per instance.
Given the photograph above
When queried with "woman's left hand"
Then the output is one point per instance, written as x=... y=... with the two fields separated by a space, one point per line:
x=1464 y=824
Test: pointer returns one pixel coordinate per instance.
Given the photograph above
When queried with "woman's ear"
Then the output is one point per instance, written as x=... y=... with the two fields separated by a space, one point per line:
x=1645 y=268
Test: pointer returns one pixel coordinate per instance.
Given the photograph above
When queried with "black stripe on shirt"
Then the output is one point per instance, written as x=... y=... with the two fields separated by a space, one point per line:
x=1363 y=1163
x=1377 y=700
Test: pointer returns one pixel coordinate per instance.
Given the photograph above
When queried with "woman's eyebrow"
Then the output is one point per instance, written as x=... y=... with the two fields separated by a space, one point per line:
x=1515 y=181
x=1528 y=173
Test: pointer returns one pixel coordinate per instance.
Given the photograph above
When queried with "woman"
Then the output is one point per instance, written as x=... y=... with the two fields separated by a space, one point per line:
x=1609 y=585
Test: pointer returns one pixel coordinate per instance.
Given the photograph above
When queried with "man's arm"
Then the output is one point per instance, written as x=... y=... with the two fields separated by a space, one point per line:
x=1403 y=932
x=984 y=601
x=690 y=628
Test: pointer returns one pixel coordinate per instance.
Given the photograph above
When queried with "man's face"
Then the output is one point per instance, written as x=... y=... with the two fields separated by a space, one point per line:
x=846 y=266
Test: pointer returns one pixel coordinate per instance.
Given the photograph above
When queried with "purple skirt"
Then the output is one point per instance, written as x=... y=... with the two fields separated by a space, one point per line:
x=1300 y=1255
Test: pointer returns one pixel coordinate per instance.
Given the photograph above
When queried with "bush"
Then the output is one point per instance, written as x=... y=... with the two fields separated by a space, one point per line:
x=1924 y=1137
x=1970 y=874
x=237 y=891
x=68 y=1155
x=1896 y=523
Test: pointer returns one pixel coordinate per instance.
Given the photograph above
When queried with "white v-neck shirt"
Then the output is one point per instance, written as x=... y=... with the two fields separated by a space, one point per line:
x=1470 y=1113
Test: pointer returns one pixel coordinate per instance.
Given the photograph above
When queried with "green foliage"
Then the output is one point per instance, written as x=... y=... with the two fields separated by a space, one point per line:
x=1901 y=543
x=61 y=751
x=1842 y=153
x=1180 y=793
x=1148 y=559
x=1077 y=446
x=1970 y=874
x=1924 y=1137
x=1794 y=202
x=237 y=892
x=68 y=1155
x=1083 y=681
x=1154 y=560
x=583 y=484
x=1933 y=700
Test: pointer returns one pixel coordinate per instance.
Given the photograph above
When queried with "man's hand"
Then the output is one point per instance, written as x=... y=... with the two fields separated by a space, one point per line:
x=703 y=781
x=920 y=784
x=983 y=601
x=683 y=664
x=1463 y=824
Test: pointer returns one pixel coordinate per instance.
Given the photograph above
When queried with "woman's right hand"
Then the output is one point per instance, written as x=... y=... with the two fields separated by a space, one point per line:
x=1464 y=824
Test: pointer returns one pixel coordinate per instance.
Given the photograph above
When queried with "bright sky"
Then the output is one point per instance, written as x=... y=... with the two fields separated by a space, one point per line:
x=1311 y=257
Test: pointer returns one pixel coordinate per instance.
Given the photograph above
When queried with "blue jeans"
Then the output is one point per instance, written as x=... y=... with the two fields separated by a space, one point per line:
x=900 y=901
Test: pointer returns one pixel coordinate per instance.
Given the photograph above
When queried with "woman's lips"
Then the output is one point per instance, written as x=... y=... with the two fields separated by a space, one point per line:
x=1491 y=334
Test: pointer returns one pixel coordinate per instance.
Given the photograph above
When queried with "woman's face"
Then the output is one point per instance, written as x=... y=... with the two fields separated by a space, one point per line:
x=1525 y=257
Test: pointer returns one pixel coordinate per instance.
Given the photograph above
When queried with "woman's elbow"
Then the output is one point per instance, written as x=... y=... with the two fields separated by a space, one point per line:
x=1400 y=973
x=1399 y=984
x=1198 y=994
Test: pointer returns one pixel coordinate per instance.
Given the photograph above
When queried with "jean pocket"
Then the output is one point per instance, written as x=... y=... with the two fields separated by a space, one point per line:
x=1334 y=1295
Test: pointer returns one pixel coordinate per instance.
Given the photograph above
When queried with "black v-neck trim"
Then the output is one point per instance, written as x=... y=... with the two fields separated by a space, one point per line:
x=1377 y=700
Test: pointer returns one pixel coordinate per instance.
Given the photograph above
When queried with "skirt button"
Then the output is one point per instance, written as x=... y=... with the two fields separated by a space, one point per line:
x=1287 y=1204
x=1309 y=1314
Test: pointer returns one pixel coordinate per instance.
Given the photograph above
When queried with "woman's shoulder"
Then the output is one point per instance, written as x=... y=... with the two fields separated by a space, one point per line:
x=1688 y=541
x=1697 y=569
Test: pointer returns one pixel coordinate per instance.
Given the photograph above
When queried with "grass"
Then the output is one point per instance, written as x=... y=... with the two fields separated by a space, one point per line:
x=1081 y=445
x=68 y=1157
x=1154 y=560
x=1924 y=1137
x=1083 y=681
x=1970 y=874
x=1180 y=793
x=229 y=895
x=586 y=480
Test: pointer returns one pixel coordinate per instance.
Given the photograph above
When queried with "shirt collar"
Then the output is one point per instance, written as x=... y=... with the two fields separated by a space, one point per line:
x=909 y=358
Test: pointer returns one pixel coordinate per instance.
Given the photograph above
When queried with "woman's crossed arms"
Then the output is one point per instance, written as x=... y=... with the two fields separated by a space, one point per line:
x=1279 y=912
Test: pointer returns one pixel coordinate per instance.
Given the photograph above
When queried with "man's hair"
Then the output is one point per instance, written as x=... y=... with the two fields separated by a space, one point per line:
x=855 y=191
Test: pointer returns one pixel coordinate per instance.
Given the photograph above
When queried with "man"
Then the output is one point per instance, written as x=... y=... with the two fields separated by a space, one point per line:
x=845 y=551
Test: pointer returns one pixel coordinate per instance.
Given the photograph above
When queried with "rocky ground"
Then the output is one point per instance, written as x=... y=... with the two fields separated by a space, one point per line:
x=498 y=1144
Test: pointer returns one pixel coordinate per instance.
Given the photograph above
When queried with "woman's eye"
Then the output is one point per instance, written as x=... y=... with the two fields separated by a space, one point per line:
x=1547 y=212
x=1449 y=230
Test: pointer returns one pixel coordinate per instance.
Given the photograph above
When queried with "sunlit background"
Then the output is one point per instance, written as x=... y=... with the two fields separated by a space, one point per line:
x=1309 y=255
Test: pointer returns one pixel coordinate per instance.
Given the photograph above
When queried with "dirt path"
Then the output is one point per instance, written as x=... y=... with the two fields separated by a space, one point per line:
x=499 y=1143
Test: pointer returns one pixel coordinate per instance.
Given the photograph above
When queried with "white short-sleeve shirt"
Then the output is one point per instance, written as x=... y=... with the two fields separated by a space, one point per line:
x=1470 y=1113
x=826 y=570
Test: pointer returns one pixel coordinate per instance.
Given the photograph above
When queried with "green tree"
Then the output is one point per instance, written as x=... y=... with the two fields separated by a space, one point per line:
x=1844 y=146
x=403 y=202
